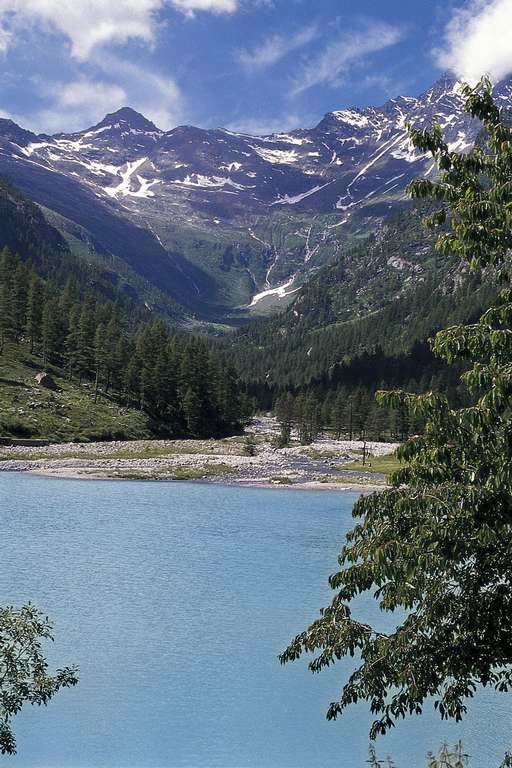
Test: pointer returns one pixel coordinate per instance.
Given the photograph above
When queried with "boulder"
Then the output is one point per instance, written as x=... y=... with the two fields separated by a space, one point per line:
x=46 y=381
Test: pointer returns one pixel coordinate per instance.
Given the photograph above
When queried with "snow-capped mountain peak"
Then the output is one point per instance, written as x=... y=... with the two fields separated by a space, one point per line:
x=356 y=160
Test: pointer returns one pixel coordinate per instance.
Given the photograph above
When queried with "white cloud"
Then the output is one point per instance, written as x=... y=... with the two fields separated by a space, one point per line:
x=80 y=103
x=91 y=23
x=158 y=97
x=5 y=40
x=215 y=6
x=334 y=63
x=76 y=105
x=477 y=41
x=86 y=23
x=273 y=49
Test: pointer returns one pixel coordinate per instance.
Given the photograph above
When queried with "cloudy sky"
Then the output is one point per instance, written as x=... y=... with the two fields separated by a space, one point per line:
x=251 y=65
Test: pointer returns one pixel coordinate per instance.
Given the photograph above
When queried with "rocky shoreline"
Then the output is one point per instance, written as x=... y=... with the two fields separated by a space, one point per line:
x=317 y=466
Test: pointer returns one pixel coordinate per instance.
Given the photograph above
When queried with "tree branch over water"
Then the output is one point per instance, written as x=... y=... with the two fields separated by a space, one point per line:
x=437 y=545
x=24 y=677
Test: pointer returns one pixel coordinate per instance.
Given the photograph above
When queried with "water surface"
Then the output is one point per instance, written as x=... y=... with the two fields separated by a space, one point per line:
x=175 y=600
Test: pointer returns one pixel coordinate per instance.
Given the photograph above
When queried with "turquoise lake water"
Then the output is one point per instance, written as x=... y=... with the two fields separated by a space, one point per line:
x=175 y=600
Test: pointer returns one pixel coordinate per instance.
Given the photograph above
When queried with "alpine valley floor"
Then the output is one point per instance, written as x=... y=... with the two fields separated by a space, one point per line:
x=325 y=464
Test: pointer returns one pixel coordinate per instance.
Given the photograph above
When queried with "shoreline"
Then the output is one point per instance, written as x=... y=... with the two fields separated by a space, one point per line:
x=327 y=464
x=63 y=474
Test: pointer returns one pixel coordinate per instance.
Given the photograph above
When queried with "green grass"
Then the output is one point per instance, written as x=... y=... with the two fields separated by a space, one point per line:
x=172 y=473
x=378 y=464
x=350 y=480
x=149 y=449
x=27 y=410
x=282 y=480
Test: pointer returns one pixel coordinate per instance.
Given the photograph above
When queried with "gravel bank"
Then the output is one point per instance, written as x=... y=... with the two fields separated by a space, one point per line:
x=218 y=461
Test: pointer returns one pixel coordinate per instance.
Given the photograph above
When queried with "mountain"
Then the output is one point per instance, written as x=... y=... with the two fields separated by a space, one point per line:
x=26 y=230
x=218 y=220
x=364 y=321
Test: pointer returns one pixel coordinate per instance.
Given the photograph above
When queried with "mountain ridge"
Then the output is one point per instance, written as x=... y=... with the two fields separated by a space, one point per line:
x=225 y=222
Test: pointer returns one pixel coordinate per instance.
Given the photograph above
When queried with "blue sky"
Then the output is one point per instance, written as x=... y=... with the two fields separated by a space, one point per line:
x=250 y=65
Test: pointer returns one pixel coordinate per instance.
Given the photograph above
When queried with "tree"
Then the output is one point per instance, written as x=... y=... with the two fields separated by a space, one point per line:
x=24 y=677
x=19 y=299
x=284 y=410
x=437 y=545
x=72 y=340
x=100 y=357
x=34 y=311
x=338 y=417
x=193 y=410
x=195 y=388
x=7 y=294
x=85 y=338
x=51 y=331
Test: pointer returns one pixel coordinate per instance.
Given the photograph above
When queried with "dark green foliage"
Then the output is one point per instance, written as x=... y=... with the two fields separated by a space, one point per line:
x=24 y=677
x=180 y=382
x=447 y=757
x=285 y=414
x=320 y=343
x=34 y=310
x=250 y=446
x=436 y=546
x=349 y=414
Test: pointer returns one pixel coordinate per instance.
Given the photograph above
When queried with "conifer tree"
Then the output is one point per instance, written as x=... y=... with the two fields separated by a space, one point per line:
x=339 y=410
x=51 y=330
x=7 y=293
x=85 y=338
x=34 y=312
x=193 y=411
x=19 y=299
x=131 y=384
x=72 y=340
x=100 y=357
x=285 y=413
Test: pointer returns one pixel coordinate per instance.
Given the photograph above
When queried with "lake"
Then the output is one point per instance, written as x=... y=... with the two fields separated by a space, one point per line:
x=175 y=600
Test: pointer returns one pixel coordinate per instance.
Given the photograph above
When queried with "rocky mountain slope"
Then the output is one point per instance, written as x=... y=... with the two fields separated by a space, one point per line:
x=26 y=230
x=221 y=221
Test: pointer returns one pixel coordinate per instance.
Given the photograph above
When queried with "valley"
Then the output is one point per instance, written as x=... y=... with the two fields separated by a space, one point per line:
x=216 y=226
x=255 y=383
x=318 y=466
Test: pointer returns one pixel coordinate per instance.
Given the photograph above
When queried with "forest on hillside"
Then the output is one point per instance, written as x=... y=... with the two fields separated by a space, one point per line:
x=184 y=386
x=318 y=348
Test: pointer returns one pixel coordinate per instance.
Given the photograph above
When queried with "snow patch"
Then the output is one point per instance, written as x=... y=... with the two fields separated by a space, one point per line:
x=291 y=200
x=36 y=145
x=351 y=117
x=279 y=156
x=208 y=182
x=460 y=144
x=280 y=291
x=231 y=167
x=124 y=188
x=288 y=139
